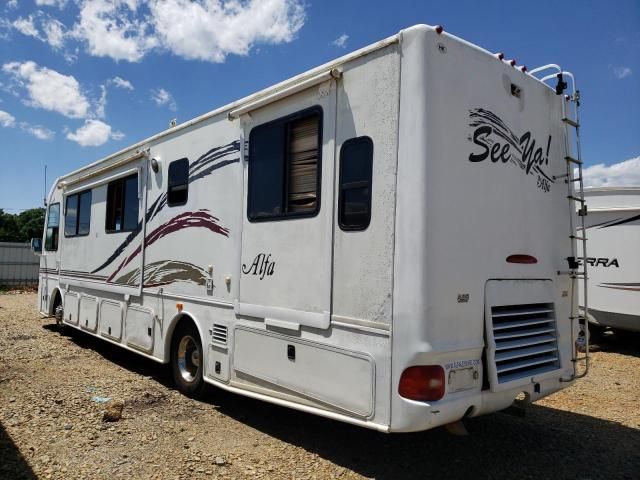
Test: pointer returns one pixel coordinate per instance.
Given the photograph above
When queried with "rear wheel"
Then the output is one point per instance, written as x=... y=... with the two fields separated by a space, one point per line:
x=186 y=360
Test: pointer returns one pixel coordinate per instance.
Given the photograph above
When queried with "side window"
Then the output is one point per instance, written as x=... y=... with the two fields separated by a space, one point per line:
x=122 y=205
x=284 y=167
x=356 y=170
x=77 y=214
x=178 y=189
x=53 y=224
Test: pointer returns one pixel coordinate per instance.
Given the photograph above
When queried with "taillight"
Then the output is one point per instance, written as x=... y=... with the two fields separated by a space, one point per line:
x=423 y=383
x=520 y=258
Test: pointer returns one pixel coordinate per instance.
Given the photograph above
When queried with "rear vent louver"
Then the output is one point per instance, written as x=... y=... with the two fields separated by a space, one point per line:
x=525 y=339
x=219 y=334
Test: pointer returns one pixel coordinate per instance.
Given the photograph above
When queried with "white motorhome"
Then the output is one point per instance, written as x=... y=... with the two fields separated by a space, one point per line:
x=382 y=240
x=613 y=261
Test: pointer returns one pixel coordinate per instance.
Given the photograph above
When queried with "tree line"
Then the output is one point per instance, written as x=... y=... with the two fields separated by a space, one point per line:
x=21 y=227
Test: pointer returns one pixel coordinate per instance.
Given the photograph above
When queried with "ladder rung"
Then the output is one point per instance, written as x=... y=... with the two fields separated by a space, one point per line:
x=573 y=160
x=576 y=237
x=571 y=122
x=571 y=273
x=555 y=177
x=577 y=179
x=575 y=199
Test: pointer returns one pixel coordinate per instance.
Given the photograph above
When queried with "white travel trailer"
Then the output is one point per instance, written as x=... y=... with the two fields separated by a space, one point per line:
x=613 y=232
x=381 y=240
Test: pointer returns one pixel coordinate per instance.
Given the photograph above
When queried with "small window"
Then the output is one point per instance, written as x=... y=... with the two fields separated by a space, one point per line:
x=354 y=202
x=77 y=215
x=284 y=167
x=122 y=205
x=178 y=189
x=53 y=224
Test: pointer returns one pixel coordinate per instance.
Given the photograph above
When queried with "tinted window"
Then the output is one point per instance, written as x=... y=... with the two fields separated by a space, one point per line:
x=53 y=224
x=77 y=215
x=284 y=167
x=354 y=202
x=122 y=204
x=84 y=215
x=178 y=189
x=71 y=216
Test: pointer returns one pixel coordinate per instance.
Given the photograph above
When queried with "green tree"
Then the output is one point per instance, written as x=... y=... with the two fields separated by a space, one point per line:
x=22 y=227
x=31 y=223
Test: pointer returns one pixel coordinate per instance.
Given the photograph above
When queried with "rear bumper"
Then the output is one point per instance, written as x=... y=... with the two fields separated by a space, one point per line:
x=418 y=416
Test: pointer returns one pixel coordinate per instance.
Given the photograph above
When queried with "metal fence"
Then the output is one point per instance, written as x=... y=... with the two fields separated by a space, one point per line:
x=18 y=264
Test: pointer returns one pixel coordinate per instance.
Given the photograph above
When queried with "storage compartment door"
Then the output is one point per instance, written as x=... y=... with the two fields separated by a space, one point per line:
x=88 y=313
x=111 y=319
x=71 y=303
x=139 y=328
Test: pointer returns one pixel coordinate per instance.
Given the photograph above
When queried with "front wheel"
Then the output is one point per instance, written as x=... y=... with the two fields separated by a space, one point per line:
x=186 y=360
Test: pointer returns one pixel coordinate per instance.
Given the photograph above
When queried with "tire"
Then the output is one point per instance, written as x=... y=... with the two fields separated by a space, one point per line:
x=187 y=359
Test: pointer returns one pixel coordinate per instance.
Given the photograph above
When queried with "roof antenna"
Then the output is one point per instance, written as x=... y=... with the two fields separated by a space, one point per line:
x=45 y=185
x=173 y=122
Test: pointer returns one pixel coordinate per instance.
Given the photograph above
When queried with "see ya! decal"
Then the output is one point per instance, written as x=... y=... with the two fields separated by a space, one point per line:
x=261 y=266
x=498 y=142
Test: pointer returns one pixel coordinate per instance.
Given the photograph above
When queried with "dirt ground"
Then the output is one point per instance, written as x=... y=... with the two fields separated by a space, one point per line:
x=51 y=428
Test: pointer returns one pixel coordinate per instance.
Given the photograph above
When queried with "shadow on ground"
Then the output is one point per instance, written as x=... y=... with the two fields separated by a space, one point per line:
x=618 y=341
x=12 y=464
x=546 y=443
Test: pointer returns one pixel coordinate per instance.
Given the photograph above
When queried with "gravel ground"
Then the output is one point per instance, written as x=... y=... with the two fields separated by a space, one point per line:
x=51 y=428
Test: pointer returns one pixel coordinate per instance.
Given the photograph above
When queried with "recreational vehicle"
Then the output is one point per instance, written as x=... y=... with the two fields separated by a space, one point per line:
x=384 y=240
x=613 y=232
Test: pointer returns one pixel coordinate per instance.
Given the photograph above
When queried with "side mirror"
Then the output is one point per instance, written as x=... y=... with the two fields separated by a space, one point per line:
x=36 y=246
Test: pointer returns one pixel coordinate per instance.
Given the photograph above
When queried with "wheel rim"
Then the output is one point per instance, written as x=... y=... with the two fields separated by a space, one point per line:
x=188 y=358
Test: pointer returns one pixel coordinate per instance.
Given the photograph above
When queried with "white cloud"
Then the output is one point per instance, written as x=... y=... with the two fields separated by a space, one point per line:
x=49 y=89
x=6 y=119
x=26 y=26
x=212 y=29
x=52 y=3
x=619 y=174
x=102 y=102
x=111 y=29
x=121 y=83
x=341 y=41
x=38 y=131
x=11 y=4
x=622 y=72
x=43 y=27
x=162 y=97
x=54 y=32
x=93 y=134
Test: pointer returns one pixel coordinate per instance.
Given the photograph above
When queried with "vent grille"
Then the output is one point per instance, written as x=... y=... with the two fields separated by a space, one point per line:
x=526 y=340
x=219 y=334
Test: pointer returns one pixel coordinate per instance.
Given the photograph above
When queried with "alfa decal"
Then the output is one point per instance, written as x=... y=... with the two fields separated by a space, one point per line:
x=261 y=266
x=497 y=142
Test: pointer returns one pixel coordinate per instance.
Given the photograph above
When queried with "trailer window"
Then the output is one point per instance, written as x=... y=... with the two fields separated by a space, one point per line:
x=53 y=224
x=356 y=170
x=77 y=214
x=284 y=167
x=122 y=205
x=178 y=189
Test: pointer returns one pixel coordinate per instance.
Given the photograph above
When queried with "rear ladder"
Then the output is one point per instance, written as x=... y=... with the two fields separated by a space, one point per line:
x=575 y=194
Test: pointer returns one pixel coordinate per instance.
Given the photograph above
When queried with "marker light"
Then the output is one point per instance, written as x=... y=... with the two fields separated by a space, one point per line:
x=523 y=68
x=520 y=258
x=500 y=55
x=439 y=29
x=512 y=62
x=422 y=383
x=179 y=306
